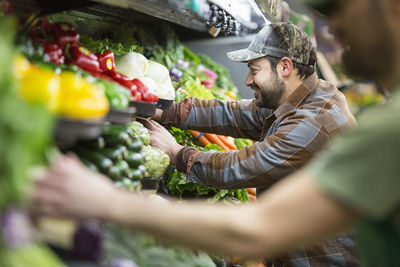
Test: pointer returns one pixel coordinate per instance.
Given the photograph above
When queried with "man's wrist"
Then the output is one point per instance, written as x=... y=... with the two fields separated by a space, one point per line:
x=158 y=115
x=173 y=153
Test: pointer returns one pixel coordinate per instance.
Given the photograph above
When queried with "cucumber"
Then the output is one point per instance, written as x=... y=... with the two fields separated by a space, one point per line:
x=135 y=146
x=123 y=167
x=136 y=174
x=97 y=143
x=112 y=153
x=134 y=159
x=124 y=183
x=114 y=173
x=116 y=129
x=123 y=150
x=102 y=162
x=121 y=138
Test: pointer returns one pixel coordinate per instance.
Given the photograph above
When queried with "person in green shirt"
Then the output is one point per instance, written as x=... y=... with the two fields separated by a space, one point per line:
x=356 y=181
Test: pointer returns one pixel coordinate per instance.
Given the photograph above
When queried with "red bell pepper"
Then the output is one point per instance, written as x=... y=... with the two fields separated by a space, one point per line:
x=76 y=50
x=86 y=63
x=53 y=52
x=106 y=61
x=140 y=86
x=67 y=37
x=149 y=97
x=137 y=97
x=122 y=79
x=84 y=59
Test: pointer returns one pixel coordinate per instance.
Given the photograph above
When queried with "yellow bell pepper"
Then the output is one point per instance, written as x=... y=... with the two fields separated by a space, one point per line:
x=39 y=86
x=80 y=99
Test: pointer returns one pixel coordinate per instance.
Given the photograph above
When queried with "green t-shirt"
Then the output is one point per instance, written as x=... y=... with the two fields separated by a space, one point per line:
x=362 y=169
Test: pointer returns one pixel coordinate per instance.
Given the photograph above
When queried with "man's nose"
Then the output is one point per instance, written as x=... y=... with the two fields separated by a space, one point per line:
x=249 y=80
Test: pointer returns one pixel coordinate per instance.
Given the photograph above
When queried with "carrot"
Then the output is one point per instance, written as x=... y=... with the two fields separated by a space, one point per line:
x=215 y=140
x=202 y=139
x=252 y=191
x=227 y=142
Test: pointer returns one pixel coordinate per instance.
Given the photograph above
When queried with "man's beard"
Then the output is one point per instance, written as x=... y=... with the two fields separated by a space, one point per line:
x=271 y=93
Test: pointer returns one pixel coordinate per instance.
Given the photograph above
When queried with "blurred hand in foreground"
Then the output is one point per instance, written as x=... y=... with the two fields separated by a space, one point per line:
x=69 y=188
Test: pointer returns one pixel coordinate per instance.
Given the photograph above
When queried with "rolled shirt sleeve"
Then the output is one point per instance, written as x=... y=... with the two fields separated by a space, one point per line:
x=295 y=141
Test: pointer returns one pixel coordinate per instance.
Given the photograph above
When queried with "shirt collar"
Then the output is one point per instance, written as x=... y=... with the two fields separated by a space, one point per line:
x=298 y=95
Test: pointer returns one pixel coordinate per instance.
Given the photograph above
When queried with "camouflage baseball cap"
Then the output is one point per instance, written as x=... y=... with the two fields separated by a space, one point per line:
x=281 y=39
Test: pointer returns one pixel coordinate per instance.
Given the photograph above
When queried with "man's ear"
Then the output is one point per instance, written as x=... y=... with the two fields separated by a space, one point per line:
x=285 y=67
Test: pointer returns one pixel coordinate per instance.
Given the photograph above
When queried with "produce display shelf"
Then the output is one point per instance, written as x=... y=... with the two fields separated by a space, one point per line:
x=122 y=9
x=155 y=8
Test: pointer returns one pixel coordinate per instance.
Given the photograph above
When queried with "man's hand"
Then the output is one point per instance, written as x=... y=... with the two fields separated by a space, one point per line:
x=162 y=139
x=69 y=188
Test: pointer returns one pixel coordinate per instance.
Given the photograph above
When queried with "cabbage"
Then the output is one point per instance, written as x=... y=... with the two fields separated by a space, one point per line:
x=140 y=132
x=157 y=161
x=151 y=84
x=134 y=65
x=158 y=72
x=166 y=91
x=160 y=75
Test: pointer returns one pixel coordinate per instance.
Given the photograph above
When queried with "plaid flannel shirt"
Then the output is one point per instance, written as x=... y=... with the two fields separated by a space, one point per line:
x=288 y=138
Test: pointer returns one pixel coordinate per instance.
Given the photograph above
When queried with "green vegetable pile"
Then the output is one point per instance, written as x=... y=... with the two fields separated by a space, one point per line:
x=178 y=185
x=117 y=154
x=157 y=161
x=124 y=154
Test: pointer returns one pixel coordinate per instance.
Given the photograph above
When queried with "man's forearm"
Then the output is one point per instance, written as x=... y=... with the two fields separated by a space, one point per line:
x=290 y=215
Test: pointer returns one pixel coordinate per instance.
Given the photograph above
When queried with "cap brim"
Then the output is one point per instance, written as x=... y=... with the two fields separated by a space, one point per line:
x=244 y=55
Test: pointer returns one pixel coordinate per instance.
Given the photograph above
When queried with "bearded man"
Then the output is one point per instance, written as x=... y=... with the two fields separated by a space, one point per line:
x=293 y=116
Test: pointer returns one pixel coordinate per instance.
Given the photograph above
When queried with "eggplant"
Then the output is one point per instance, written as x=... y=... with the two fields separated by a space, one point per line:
x=88 y=241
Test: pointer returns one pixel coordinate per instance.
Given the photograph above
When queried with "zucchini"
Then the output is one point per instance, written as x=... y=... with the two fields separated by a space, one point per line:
x=114 y=154
x=102 y=162
x=116 y=129
x=114 y=173
x=124 y=183
x=97 y=143
x=134 y=159
x=135 y=146
x=121 y=138
x=136 y=174
x=123 y=167
x=123 y=150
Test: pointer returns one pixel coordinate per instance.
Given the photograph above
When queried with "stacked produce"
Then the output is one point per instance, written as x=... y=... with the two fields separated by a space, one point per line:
x=65 y=94
x=117 y=154
x=123 y=153
x=58 y=43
